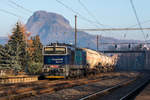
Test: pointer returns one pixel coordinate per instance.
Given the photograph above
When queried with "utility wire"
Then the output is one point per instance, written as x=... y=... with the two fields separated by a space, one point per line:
x=93 y=16
x=5 y=11
x=146 y=21
x=14 y=3
x=82 y=17
x=90 y=14
x=16 y=8
x=138 y=21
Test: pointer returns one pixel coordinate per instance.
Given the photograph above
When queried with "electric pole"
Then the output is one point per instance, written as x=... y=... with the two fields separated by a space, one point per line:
x=75 y=37
x=26 y=68
x=97 y=42
x=75 y=31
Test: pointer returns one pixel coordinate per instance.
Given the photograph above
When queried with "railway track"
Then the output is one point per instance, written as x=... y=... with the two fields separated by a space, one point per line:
x=105 y=91
x=46 y=82
x=132 y=87
x=131 y=95
x=18 y=91
x=22 y=90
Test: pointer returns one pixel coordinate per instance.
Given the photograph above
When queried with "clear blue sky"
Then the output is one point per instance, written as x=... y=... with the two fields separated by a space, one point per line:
x=115 y=13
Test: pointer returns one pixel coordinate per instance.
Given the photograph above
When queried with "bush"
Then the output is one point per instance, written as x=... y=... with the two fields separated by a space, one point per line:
x=35 y=68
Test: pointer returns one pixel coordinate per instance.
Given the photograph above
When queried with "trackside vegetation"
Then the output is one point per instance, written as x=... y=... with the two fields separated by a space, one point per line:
x=22 y=53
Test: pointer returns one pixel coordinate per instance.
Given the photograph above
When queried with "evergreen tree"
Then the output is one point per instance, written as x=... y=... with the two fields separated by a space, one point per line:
x=1 y=53
x=37 y=54
x=17 y=43
x=5 y=58
x=21 y=54
x=36 y=63
x=2 y=57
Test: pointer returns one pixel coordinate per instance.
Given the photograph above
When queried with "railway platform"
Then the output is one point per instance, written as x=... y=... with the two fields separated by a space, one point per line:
x=17 y=79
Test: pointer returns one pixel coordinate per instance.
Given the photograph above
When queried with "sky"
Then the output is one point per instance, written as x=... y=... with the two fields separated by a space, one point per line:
x=109 y=13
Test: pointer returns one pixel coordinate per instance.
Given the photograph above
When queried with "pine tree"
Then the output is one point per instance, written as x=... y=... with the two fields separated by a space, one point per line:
x=21 y=54
x=37 y=54
x=36 y=63
x=1 y=57
x=5 y=58
x=17 y=43
x=1 y=53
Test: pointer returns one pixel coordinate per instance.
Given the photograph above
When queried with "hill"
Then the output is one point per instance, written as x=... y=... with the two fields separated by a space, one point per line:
x=3 y=40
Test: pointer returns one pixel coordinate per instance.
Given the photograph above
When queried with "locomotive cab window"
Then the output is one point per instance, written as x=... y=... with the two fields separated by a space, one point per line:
x=60 y=50
x=54 y=50
x=48 y=50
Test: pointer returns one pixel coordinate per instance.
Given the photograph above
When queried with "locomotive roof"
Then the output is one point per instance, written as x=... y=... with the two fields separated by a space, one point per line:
x=73 y=46
x=63 y=44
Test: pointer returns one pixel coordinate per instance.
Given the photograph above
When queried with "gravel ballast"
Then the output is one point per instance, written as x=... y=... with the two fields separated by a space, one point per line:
x=77 y=92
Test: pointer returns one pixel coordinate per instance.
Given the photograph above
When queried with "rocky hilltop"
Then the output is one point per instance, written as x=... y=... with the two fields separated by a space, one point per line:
x=52 y=27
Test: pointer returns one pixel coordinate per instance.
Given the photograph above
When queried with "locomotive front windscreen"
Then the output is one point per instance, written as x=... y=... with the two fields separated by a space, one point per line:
x=54 y=50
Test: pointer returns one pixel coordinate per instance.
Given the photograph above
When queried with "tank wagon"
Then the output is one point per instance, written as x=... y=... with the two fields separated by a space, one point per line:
x=64 y=61
x=98 y=61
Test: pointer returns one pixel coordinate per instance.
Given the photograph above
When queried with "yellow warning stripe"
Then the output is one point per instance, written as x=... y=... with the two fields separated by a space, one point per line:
x=17 y=76
x=54 y=77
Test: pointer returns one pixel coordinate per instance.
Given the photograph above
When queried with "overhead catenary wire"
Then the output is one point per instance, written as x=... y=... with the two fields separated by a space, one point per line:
x=138 y=21
x=103 y=25
x=25 y=9
x=77 y=13
x=114 y=29
x=16 y=8
x=12 y=6
x=91 y=14
x=143 y=22
x=10 y=13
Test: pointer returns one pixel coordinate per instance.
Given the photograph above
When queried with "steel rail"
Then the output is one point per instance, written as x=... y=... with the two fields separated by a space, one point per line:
x=88 y=97
x=46 y=88
x=135 y=91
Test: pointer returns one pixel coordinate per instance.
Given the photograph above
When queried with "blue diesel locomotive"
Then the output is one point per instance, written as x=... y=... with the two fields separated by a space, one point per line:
x=63 y=61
